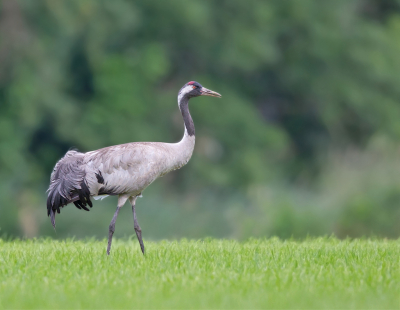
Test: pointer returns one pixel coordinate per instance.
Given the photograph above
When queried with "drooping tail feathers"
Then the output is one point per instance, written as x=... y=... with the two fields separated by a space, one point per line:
x=67 y=184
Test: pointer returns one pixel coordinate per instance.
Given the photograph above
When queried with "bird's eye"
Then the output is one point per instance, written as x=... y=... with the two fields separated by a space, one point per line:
x=194 y=87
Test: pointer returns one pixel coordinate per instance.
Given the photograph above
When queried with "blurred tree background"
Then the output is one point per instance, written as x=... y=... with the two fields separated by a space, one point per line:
x=305 y=140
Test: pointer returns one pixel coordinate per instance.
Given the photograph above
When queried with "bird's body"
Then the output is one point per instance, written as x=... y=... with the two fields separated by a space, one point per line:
x=124 y=170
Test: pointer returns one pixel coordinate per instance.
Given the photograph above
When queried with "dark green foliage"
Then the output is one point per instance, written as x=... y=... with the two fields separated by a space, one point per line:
x=301 y=80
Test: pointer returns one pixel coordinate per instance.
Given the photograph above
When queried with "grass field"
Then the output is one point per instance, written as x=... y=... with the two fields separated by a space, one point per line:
x=270 y=273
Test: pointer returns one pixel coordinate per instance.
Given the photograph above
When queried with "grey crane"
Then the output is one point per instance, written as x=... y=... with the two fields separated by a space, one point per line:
x=122 y=170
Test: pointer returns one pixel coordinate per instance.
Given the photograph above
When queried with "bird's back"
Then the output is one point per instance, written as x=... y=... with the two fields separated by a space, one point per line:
x=126 y=168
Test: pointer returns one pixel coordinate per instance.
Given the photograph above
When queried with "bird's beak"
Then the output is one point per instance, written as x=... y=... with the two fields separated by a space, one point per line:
x=207 y=92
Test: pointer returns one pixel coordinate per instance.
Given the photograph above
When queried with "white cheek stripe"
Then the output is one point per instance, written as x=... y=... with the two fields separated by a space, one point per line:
x=184 y=91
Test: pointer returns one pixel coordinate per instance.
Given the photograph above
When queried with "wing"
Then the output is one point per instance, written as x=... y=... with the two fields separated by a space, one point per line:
x=125 y=168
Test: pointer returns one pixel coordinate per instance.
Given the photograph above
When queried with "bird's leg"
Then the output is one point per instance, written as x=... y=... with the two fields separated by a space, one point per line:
x=112 y=229
x=121 y=201
x=137 y=229
x=136 y=224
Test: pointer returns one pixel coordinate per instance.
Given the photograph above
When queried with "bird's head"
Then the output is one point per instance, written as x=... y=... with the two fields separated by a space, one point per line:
x=194 y=89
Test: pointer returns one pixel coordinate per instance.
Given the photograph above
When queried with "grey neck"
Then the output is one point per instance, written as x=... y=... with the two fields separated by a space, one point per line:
x=187 y=118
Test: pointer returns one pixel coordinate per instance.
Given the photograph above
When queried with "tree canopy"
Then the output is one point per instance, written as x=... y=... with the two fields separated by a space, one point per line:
x=299 y=79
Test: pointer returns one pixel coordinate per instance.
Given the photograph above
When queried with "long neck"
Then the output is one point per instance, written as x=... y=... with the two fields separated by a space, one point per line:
x=187 y=118
x=183 y=150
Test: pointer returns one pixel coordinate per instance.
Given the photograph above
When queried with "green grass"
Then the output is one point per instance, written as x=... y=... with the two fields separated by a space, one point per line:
x=270 y=273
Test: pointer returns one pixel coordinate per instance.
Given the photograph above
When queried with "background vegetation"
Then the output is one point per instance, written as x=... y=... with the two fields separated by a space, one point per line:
x=303 y=142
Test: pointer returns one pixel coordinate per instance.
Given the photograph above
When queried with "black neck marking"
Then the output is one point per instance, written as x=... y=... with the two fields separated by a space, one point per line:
x=187 y=118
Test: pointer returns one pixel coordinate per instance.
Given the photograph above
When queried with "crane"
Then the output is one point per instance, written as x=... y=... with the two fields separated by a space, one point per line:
x=123 y=170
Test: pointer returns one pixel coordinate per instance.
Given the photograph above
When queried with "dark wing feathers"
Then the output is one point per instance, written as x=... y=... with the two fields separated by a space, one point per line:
x=67 y=184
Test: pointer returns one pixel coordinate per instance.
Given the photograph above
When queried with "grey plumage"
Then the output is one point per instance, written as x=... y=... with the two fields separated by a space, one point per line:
x=67 y=184
x=124 y=170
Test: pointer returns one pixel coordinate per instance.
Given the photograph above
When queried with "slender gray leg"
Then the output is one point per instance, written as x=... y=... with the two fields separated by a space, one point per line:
x=112 y=229
x=136 y=224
